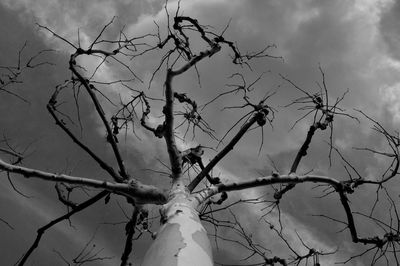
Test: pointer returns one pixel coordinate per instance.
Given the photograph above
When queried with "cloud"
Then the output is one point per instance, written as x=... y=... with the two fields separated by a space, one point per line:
x=66 y=17
x=389 y=27
x=391 y=101
x=40 y=209
x=356 y=43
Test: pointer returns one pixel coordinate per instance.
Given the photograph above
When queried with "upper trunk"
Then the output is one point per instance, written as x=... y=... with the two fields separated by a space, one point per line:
x=182 y=239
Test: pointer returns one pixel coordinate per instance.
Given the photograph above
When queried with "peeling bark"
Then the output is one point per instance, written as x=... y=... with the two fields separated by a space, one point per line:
x=182 y=239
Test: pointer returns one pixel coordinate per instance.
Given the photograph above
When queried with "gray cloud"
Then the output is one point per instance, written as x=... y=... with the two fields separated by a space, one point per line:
x=390 y=29
x=345 y=38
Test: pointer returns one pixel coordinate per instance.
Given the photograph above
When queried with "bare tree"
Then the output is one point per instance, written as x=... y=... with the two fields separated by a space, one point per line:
x=171 y=114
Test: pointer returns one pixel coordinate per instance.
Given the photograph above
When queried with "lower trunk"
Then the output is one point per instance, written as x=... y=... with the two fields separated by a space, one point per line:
x=182 y=239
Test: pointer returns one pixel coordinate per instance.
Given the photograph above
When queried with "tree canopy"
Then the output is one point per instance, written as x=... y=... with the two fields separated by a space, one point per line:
x=280 y=136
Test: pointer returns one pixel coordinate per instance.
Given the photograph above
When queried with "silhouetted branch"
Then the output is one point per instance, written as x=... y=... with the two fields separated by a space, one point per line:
x=133 y=189
x=66 y=216
x=130 y=231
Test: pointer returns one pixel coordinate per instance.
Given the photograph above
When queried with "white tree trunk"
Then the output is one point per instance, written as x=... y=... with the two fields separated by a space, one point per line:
x=182 y=239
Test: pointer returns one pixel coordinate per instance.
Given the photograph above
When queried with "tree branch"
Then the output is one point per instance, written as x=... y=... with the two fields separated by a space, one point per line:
x=133 y=189
x=342 y=188
x=224 y=151
x=130 y=231
x=51 y=108
x=89 y=88
x=66 y=216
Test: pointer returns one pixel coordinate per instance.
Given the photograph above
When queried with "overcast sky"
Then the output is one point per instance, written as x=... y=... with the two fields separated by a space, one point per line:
x=357 y=44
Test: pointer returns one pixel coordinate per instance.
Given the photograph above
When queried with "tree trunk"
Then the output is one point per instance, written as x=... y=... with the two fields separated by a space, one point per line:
x=182 y=239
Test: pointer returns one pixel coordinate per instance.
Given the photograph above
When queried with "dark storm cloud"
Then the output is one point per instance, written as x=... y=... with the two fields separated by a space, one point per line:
x=30 y=125
x=344 y=36
x=390 y=29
